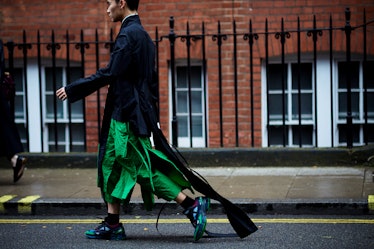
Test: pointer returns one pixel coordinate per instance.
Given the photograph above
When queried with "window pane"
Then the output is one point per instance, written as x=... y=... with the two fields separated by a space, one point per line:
x=181 y=77
x=18 y=107
x=61 y=139
x=77 y=136
x=370 y=133
x=369 y=74
x=19 y=111
x=342 y=105
x=197 y=105
x=22 y=133
x=197 y=126
x=305 y=76
x=77 y=109
x=370 y=105
x=306 y=106
x=49 y=78
x=182 y=105
x=275 y=106
x=276 y=135
x=182 y=126
x=196 y=77
x=274 y=72
x=77 y=133
x=342 y=74
x=52 y=148
x=343 y=133
x=50 y=107
x=18 y=79
x=355 y=105
x=306 y=135
x=60 y=132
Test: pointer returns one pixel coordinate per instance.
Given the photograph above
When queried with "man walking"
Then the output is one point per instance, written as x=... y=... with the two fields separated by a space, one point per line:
x=126 y=156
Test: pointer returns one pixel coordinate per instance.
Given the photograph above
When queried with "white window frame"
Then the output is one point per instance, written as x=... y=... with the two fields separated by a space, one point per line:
x=323 y=100
x=64 y=120
x=184 y=142
x=290 y=121
x=360 y=121
x=323 y=96
x=34 y=112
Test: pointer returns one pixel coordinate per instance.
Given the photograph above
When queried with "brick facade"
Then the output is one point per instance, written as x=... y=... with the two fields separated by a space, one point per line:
x=89 y=16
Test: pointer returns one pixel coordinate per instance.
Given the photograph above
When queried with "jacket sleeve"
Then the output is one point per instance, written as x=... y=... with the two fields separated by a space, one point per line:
x=85 y=86
x=119 y=61
x=153 y=86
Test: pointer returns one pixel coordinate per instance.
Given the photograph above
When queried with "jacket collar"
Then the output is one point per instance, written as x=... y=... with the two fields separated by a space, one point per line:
x=130 y=19
x=129 y=16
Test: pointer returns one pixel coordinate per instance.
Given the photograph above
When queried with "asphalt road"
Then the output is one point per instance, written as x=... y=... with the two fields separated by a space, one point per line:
x=300 y=232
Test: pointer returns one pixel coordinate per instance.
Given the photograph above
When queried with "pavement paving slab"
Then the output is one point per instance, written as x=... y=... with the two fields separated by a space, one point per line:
x=255 y=188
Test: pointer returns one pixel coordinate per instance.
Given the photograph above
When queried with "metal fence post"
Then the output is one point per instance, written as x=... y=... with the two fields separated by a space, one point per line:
x=348 y=30
x=219 y=37
x=174 y=122
x=251 y=37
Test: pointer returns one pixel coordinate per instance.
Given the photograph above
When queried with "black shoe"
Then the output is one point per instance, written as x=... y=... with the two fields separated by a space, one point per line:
x=19 y=169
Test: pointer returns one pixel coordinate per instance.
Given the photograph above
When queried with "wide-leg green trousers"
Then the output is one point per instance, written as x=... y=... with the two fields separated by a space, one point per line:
x=128 y=160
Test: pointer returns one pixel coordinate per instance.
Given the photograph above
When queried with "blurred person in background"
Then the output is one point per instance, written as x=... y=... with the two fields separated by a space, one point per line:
x=10 y=142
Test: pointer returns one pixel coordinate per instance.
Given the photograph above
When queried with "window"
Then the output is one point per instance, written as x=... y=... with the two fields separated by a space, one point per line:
x=66 y=133
x=362 y=76
x=190 y=106
x=331 y=125
x=284 y=99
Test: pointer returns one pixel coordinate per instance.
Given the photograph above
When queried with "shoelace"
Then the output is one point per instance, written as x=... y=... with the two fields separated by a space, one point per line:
x=162 y=208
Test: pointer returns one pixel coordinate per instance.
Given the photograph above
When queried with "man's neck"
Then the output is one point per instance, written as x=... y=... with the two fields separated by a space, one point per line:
x=130 y=13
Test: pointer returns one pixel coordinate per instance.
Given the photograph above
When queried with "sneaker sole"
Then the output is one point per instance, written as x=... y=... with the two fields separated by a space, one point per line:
x=112 y=237
x=198 y=234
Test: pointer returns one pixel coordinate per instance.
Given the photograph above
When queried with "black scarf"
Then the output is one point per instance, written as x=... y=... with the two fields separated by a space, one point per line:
x=239 y=220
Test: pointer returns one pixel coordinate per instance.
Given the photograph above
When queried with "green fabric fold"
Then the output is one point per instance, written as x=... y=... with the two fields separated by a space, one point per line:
x=130 y=159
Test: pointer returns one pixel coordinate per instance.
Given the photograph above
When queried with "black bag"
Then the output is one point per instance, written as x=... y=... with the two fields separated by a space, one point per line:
x=7 y=87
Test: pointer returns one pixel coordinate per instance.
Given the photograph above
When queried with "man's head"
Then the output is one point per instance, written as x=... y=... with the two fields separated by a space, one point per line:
x=119 y=9
x=131 y=4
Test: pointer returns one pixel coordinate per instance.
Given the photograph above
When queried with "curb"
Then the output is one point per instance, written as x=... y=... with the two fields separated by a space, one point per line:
x=229 y=157
x=96 y=207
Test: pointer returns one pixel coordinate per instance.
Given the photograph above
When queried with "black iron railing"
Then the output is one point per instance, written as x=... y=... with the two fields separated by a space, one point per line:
x=261 y=41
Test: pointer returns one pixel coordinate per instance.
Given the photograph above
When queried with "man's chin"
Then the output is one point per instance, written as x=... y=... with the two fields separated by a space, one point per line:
x=115 y=20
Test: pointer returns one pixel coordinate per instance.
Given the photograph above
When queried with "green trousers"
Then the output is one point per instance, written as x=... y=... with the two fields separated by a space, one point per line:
x=128 y=160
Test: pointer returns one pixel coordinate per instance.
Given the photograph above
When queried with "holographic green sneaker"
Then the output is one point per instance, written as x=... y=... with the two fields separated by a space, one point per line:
x=107 y=232
x=197 y=216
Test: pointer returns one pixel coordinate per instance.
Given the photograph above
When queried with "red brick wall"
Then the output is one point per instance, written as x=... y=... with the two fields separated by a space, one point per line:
x=88 y=16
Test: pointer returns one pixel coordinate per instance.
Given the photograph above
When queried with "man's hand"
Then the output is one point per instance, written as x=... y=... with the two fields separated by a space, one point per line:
x=61 y=94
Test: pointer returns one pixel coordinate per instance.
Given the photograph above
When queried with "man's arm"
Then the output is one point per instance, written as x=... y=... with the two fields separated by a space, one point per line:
x=118 y=64
x=85 y=86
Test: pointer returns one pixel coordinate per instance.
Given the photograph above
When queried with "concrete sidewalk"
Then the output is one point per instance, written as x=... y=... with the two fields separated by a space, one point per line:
x=258 y=190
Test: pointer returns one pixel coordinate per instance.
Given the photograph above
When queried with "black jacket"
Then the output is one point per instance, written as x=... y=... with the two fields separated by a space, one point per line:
x=130 y=75
x=133 y=88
